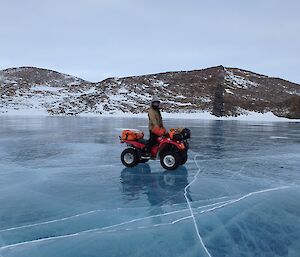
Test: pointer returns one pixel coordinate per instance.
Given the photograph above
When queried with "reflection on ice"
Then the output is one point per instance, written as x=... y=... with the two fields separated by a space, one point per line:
x=160 y=188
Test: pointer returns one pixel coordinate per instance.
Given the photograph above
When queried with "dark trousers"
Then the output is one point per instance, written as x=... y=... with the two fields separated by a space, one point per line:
x=151 y=142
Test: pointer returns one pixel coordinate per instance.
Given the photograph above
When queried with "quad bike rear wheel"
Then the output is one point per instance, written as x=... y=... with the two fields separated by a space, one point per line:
x=170 y=160
x=129 y=157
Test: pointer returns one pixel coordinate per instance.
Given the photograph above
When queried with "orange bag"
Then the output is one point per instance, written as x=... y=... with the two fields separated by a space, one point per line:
x=158 y=131
x=132 y=134
x=174 y=131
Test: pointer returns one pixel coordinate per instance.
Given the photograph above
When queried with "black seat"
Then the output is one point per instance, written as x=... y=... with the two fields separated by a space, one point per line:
x=143 y=141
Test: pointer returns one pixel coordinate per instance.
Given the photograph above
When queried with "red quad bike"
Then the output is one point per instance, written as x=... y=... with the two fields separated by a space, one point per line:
x=171 y=149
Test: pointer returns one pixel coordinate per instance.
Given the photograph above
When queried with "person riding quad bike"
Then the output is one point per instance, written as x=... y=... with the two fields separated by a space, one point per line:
x=171 y=148
x=156 y=127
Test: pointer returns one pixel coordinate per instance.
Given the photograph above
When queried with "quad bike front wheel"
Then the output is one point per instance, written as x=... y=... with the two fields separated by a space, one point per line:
x=184 y=159
x=170 y=160
x=129 y=157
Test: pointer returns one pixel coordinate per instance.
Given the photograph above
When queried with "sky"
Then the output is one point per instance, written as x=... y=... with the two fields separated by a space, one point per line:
x=97 y=39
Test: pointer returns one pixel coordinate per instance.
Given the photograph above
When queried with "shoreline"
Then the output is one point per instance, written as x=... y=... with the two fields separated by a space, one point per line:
x=249 y=116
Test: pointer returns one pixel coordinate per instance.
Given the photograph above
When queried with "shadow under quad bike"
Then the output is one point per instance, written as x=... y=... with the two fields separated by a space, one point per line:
x=171 y=149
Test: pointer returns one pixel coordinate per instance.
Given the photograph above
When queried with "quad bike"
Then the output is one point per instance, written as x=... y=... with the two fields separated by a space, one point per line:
x=171 y=149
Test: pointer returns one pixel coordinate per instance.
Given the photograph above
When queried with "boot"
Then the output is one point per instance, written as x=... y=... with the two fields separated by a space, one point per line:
x=147 y=151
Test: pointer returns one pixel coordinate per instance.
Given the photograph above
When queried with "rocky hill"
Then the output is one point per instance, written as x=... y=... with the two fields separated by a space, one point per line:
x=219 y=90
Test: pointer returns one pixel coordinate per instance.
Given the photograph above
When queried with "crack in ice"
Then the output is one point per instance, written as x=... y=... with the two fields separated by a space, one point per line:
x=103 y=210
x=101 y=231
x=190 y=207
x=83 y=214
x=107 y=229
x=50 y=221
x=243 y=197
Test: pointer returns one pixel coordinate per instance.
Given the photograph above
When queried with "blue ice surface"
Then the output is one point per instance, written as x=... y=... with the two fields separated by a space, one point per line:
x=64 y=191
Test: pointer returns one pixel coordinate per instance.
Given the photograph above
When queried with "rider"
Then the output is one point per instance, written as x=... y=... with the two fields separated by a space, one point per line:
x=156 y=127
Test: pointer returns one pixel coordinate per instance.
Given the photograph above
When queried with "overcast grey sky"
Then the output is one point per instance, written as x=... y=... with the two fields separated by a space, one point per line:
x=113 y=38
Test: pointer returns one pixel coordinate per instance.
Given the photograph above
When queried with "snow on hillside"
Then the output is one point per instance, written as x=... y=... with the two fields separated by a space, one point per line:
x=239 y=81
x=230 y=91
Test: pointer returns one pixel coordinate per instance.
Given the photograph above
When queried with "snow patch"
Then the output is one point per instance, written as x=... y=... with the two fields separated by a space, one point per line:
x=250 y=116
x=293 y=92
x=46 y=88
x=176 y=103
x=239 y=81
x=91 y=90
x=228 y=91
x=123 y=91
x=117 y=98
x=205 y=115
x=205 y=99
x=24 y=112
x=180 y=97
x=160 y=84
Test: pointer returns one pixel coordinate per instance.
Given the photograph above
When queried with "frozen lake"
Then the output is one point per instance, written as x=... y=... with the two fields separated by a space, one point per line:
x=64 y=191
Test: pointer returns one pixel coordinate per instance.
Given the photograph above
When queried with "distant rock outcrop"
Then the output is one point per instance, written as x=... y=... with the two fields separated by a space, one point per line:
x=220 y=90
